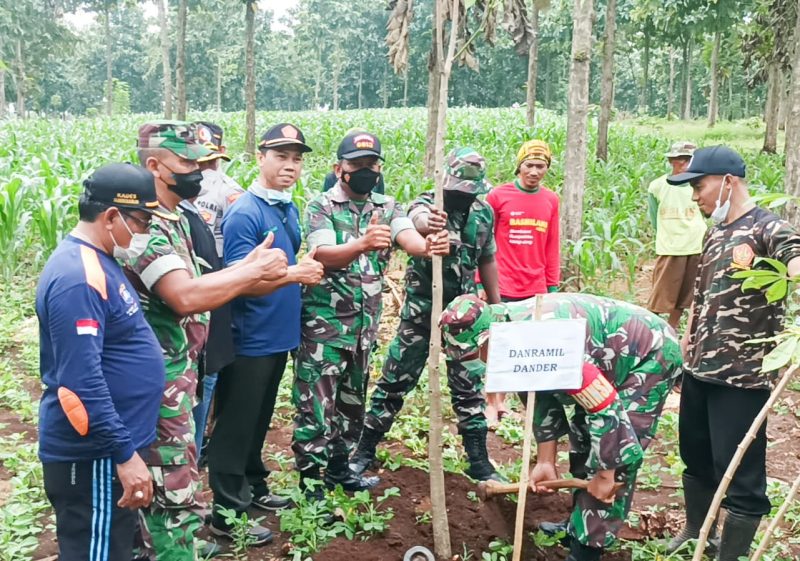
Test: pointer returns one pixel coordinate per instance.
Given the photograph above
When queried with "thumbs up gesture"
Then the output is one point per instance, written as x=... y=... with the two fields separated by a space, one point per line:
x=271 y=264
x=378 y=236
x=308 y=270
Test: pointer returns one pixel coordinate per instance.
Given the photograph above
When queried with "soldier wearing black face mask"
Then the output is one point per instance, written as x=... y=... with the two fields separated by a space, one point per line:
x=470 y=224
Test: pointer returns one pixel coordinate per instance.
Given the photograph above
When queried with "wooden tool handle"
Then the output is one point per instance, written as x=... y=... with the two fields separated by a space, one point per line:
x=487 y=489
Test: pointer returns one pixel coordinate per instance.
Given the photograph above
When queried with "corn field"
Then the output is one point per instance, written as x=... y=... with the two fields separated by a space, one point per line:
x=43 y=162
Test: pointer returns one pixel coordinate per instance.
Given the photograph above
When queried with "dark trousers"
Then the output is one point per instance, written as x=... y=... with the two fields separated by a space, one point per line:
x=89 y=524
x=245 y=400
x=713 y=420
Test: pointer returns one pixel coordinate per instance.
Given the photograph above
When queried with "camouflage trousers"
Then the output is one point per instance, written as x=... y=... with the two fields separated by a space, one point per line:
x=406 y=358
x=329 y=392
x=169 y=524
x=593 y=522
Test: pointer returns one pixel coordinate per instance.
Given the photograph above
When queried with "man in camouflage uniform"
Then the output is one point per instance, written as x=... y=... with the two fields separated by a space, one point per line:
x=175 y=300
x=353 y=230
x=632 y=360
x=470 y=225
x=725 y=387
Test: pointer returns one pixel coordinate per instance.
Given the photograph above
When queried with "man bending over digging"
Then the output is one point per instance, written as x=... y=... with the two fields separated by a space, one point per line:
x=632 y=358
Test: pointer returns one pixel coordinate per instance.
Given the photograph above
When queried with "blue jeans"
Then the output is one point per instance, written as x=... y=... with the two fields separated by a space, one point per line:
x=200 y=411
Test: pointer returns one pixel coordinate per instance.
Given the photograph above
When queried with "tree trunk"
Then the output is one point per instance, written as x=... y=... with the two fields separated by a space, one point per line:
x=180 y=60
x=336 y=71
x=643 y=97
x=771 y=109
x=164 y=33
x=361 y=82
x=533 y=61
x=109 y=61
x=730 y=97
x=687 y=80
x=318 y=83
x=19 y=82
x=577 y=112
x=792 y=147
x=671 y=90
x=713 y=101
x=385 y=86
x=250 y=77
x=785 y=100
x=607 y=84
x=444 y=65
x=433 y=108
x=405 y=88
x=219 y=83
x=2 y=94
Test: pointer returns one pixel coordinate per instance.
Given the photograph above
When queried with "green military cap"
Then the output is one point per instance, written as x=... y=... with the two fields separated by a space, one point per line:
x=465 y=326
x=681 y=149
x=176 y=136
x=466 y=172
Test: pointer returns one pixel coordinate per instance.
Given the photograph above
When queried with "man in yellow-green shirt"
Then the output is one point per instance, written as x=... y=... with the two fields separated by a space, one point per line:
x=679 y=238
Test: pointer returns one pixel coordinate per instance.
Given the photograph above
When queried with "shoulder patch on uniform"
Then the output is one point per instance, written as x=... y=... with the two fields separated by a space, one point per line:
x=743 y=256
x=232 y=198
x=596 y=392
x=95 y=275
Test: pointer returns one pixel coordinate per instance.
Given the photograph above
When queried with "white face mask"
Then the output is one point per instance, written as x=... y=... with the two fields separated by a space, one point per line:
x=135 y=248
x=721 y=211
x=276 y=196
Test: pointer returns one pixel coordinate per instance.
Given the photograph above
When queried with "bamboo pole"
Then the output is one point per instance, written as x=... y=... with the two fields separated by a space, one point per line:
x=765 y=541
x=524 y=475
x=736 y=460
x=441 y=528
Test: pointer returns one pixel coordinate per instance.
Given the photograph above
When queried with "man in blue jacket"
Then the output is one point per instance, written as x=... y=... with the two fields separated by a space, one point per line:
x=102 y=369
x=265 y=329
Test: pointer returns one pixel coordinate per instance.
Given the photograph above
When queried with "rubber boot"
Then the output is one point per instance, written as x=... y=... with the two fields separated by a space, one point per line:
x=737 y=535
x=480 y=467
x=697 y=498
x=313 y=492
x=580 y=552
x=365 y=453
x=339 y=473
x=553 y=529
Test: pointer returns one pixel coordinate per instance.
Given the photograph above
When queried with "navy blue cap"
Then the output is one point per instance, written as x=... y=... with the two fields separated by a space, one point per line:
x=714 y=160
x=359 y=144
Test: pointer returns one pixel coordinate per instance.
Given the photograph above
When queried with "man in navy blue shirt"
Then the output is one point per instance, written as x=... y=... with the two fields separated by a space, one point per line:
x=265 y=329
x=102 y=369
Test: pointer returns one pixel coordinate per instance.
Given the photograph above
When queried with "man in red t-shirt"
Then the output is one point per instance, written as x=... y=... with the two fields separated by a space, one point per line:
x=527 y=237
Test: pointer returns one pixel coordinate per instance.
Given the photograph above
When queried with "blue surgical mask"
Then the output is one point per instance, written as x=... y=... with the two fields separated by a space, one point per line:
x=278 y=197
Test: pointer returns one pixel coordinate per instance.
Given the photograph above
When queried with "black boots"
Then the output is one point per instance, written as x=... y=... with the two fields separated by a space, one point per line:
x=697 y=498
x=580 y=552
x=311 y=484
x=339 y=473
x=480 y=467
x=553 y=529
x=365 y=453
x=737 y=535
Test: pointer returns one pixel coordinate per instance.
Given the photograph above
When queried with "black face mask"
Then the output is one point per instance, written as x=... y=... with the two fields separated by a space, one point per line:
x=457 y=201
x=361 y=181
x=187 y=185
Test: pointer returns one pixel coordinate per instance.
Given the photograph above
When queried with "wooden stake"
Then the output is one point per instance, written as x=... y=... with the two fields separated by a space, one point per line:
x=736 y=460
x=441 y=528
x=762 y=547
x=524 y=475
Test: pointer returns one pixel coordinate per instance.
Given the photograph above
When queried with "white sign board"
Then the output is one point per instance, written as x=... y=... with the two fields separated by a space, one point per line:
x=527 y=356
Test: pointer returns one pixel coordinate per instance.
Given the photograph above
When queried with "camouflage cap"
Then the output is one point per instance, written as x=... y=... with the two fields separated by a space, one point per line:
x=176 y=136
x=466 y=172
x=465 y=326
x=534 y=150
x=682 y=149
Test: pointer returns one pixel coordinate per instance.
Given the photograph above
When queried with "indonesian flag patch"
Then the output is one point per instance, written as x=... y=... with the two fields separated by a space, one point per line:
x=87 y=327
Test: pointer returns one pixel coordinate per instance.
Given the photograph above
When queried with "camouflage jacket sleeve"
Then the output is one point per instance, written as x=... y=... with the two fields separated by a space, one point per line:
x=420 y=206
x=781 y=240
x=319 y=228
x=486 y=232
x=159 y=258
x=613 y=439
x=395 y=216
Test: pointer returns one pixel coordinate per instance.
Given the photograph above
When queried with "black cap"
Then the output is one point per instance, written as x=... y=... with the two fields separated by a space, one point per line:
x=359 y=144
x=283 y=135
x=125 y=186
x=715 y=160
x=210 y=135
